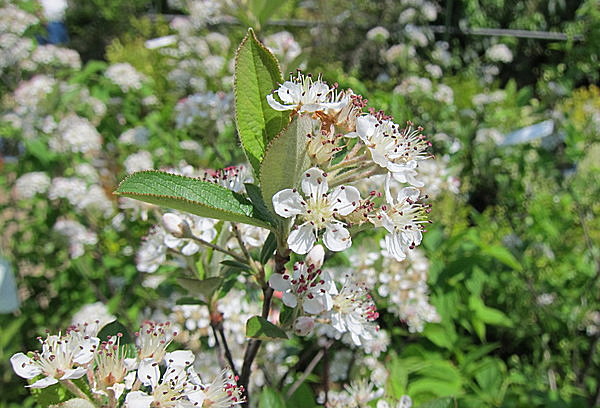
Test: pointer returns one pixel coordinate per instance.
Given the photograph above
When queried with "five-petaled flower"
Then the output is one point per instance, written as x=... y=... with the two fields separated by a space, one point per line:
x=318 y=210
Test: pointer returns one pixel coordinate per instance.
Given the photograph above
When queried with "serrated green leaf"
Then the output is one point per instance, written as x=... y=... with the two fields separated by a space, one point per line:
x=260 y=328
x=114 y=329
x=204 y=288
x=257 y=74
x=285 y=160
x=190 y=195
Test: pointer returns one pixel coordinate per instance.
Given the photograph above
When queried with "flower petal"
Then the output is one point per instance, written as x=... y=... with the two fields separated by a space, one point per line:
x=276 y=105
x=316 y=256
x=190 y=249
x=138 y=399
x=24 y=366
x=302 y=239
x=289 y=299
x=43 y=383
x=314 y=183
x=336 y=238
x=344 y=199
x=394 y=245
x=148 y=372
x=179 y=358
x=288 y=203
x=313 y=306
x=365 y=127
x=73 y=374
x=277 y=282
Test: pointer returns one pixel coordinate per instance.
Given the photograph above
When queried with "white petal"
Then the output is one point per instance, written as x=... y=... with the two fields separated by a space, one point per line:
x=313 y=306
x=314 y=184
x=316 y=256
x=73 y=374
x=409 y=193
x=173 y=224
x=290 y=92
x=179 y=358
x=148 y=372
x=43 y=383
x=289 y=299
x=344 y=199
x=288 y=203
x=24 y=366
x=197 y=396
x=395 y=247
x=276 y=105
x=277 y=282
x=138 y=399
x=336 y=238
x=302 y=239
x=365 y=127
x=171 y=241
x=190 y=249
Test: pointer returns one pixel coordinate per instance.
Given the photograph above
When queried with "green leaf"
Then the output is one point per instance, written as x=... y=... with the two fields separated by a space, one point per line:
x=53 y=394
x=487 y=314
x=114 y=329
x=439 y=403
x=188 y=300
x=503 y=255
x=255 y=196
x=257 y=74
x=236 y=265
x=270 y=398
x=260 y=328
x=285 y=160
x=268 y=248
x=190 y=195
x=205 y=288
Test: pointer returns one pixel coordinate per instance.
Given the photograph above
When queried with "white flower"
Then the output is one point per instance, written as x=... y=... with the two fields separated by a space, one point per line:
x=379 y=34
x=499 y=53
x=283 y=45
x=354 y=312
x=397 y=150
x=302 y=95
x=403 y=218
x=318 y=210
x=111 y=367
x=153 y=339
x=308 y=286
x=174 y=390
x=232 y=177
x=62 y=358
x=125 y=76
x=92 y=318
x=222 y=392
x=139 y=161
x=200 y=227
x=76 y=234
x=153 y=251
x=30 y=184
x=304 y=325
x=75 y=134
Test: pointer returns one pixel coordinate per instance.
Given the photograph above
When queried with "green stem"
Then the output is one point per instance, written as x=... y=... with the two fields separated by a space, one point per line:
x=75 y=390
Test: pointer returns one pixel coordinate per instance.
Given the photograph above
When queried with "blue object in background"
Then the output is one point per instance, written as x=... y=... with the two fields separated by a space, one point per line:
x=538 y=131
x=57 y=34
x=9 y=301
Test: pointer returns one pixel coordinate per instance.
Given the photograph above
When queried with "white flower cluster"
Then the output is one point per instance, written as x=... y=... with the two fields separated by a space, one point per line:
x=30 y=184
x=75 y=134
x=499 y=53
x=125 y=76
x=205 y=108
x=404 y=284
x=109 y=374
x=76 y=235
x=283 y=45
x=374 y=144
x=80 y=195
x=57 y=57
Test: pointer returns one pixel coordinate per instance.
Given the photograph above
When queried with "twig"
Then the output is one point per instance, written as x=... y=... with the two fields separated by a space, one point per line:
x=220 y=249
x=254 y=344
x=309 y=369
x=75 y=390
x=228 y=355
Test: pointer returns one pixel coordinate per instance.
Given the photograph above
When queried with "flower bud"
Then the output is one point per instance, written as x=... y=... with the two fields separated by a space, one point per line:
x=316 y=256
x=304 y=325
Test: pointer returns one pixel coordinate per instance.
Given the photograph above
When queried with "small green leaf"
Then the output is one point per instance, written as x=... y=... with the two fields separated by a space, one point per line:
x=257 y=74
x=255 y=196
x=439 y=403
x=285 y=160
x=268 y=248
x=260 y=328
x=114 y=329
x=270 y=398
x=188 y=300
x=503 y=255
x=236 y=265
x=190 y=195
x=204 y=288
